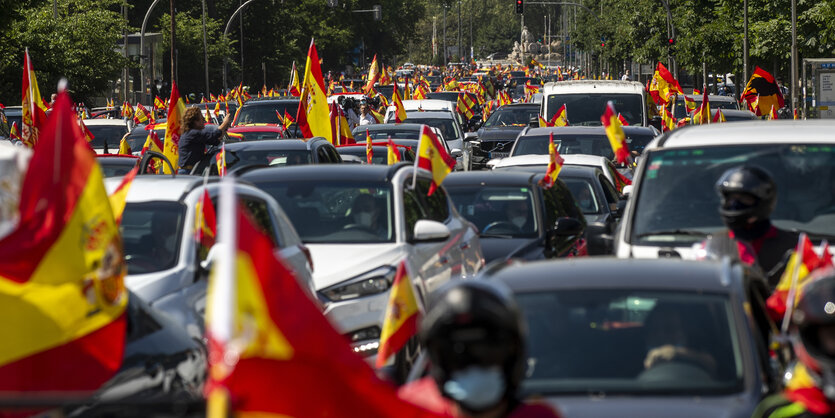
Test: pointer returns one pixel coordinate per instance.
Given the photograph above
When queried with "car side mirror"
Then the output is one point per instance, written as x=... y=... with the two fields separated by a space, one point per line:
x=627 y=191
x=455 y=153
x=568 y=226
x=470 y=136
x=430 y=231
x=534 y=122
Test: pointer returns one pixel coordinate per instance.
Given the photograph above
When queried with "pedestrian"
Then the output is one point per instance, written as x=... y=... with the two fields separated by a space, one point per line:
x=475 y=337
x=748 y=195
x=196 y=136
x=626 y=76
x=366 y=118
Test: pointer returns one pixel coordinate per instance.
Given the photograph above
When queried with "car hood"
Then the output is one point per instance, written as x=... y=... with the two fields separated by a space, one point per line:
x=499 y=133
x=501 y=248
x=334 y=263
x=654 y=406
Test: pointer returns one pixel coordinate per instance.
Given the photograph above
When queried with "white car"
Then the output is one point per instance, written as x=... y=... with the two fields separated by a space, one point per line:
x=674 y=204
x=360 y=222
x=585 y=100
x=162 y=255
x=541 y=161
x=107 y=133
x=426 y=105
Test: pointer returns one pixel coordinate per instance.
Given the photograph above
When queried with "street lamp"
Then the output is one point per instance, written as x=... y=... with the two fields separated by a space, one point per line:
x=142 y=47
x=225 y=35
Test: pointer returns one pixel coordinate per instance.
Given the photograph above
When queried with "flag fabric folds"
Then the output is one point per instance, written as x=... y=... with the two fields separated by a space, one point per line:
x=402 y=314
x=719 y=117
x=141 y=115
x=804 y=260
x=33 y=114
x=668 y=122
x=124 y=146
x=555 y=164
x=702 y=114
x=173 y=129
x=153 y=143
x=762 y=93
x=294 y=89
x=220 y=160
x=622 y=120
x=399 y=110
x=393 y=156
x=118 y=199
x=206 y=222
x=614 y=130
x=369 y=150
x=373 y=75
x=313 y=117
x=663 y=85
x=432 y=156
x=62 y=294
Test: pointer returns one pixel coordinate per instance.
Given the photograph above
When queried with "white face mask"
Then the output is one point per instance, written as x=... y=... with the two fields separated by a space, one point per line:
x=476 y=388
x=363 y=218
x=519 y=221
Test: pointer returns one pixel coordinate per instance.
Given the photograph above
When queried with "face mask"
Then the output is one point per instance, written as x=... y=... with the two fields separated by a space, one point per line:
x=518 y=221
x=586 y=203
x=363 y=218
x=476 y=388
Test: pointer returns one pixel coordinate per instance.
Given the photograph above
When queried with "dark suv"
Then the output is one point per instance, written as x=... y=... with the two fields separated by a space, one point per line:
x=496 y=136
x=270 y=153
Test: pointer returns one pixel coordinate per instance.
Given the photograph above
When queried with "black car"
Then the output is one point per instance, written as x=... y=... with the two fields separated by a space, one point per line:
x=382 y=131
x=270 y=153
x=516 y=217
x=379 y=152
x=116 y=165
x=263 y=110
x=597 y=329
x=499 y=131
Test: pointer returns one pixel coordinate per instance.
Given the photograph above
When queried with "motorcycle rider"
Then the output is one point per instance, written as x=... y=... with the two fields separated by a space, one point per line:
x=475 y=339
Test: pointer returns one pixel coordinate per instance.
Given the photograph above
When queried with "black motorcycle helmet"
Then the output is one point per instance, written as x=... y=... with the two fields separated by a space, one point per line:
x=814 y=311
x=747 y=194
x=475 y=323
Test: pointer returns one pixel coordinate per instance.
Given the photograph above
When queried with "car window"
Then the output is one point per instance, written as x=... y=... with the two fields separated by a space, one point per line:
x=151 y=235
x=498 y=210
x=272 y=158
x=609 y=191
x=322 y=156
x=260 y=214
x=412 y=211
x=436 y=206
x=585 y=109
x=334 y=156
x=593 y=144
x=111 y=133
x=581 y=192
x=265 y=113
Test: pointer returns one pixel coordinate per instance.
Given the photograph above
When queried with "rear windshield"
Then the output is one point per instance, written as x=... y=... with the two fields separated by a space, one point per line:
x=266 y=112
x=110 y=133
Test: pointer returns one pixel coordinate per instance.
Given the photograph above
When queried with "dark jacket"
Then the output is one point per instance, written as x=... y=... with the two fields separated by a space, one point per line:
x=193 y=144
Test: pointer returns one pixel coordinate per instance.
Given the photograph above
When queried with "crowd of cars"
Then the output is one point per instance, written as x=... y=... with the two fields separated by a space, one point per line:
x=343 y=225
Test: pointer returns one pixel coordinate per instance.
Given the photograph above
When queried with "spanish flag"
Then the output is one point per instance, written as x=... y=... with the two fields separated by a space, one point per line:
x=294 y=89
x=561 y=117
x=173 y=129
x=663 y=85
x=287 y=120
x=373 y=75
x=220 y=160
x=33 y=115
x=141 y=115
x=622 y=120
x=762 y=92
x=554 y=165
x=772 y=114
x=432 y=156
x=158 y=103
x=719 y=117
x=803 y=260
x=668 y=121
x=393 y=155
x=153 y=143
x=369 y=150
x=88 y=136
x=119 y=197
x=124 y=146
x=206 y=222
x=617 y=139
x=689 y=104
x=702 y=114
x=313 y=116
x=463 y=106
x=262 y=358
x=399 y=110
x=62 y=296
x=402 y=314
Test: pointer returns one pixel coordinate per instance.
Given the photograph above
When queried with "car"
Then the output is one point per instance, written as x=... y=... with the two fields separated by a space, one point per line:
x=397 y=132
x=444 y=122
x=259 y=131
x=263 y=110
x=496 y=136
x=517 y=217
x=597 y=328
x=426 y=105
x=539 y=163
x=14 y=114
x=360 y=222
x=165 y=263
x=116 y=165
x=379 y=152
x=585 y=100
x=716 y=102
x=589 y=140
x=674 y=205
x=107 y=134
x=279 y=153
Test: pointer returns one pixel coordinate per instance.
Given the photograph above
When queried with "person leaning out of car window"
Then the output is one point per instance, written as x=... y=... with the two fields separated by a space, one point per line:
x=196 y=136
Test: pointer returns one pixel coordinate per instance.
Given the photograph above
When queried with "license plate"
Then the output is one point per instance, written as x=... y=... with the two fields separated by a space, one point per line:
x=499 y=154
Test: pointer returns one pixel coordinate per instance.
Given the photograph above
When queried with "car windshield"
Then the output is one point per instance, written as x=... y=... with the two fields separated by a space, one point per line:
x=446 y=126
x=586 y=109
x=443 y=95
x=267 y=157
x=257 y=135
x=566 y=144
x=681 y=111
x=497 y=211
x=343 y=212
x=667 y=343
x=111 y=133
x=379 y=154
x=266 y=112
x=511 y=116
x=583 y=192
x=677 y=190
x=151 y=233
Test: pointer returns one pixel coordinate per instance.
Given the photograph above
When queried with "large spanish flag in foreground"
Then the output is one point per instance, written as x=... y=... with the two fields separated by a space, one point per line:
x=432 y=156
x=402 y=314
x=313 y=115
x=173 y=129
x=762 y=92
x=264 y=360
x=62 y=298
x=614 y=130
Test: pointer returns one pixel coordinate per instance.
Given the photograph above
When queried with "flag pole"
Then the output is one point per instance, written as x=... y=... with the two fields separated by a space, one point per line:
x=793 y=289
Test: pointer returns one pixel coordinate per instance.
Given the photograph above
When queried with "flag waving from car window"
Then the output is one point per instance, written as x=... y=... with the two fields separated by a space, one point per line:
x=614 y=130
x=432 y=156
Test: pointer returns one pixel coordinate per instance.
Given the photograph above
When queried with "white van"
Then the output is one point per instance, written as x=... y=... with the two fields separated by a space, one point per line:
x=585 y=100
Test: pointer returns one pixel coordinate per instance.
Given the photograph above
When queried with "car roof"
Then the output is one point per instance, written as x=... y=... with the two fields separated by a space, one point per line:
x=431 y=115
x=98 y=122
x=544 y=159
x=391 y=127
x=612 y=273
x=432 y=104
x=489 y=178
x=325 y=173
x=272 y=145
x=150 y=188
x=754 y=132
x=599 y=86
x=586 y=130
x=710 y=97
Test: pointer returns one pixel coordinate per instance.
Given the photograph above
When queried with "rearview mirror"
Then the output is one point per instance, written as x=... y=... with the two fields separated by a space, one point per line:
x=470 y=136
x=430 y=231
x=534 y=122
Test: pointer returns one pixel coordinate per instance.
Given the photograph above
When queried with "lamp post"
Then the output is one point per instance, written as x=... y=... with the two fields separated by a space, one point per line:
x=205 y=50
x=225 y=34
x=794 y=55
x=142 y=47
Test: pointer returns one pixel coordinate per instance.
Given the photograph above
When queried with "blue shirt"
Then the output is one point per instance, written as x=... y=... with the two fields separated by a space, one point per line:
x=193 y=144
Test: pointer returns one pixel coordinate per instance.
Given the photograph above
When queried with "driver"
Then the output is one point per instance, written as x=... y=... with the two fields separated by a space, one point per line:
x=668 y=341
x=365 y=212
x=518 y=213
x=163 y=246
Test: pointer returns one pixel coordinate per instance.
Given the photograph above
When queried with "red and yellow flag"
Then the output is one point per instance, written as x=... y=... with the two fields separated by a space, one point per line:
x=804 y=260
x=554 y=164
x=124 y=146
x=622 y=120
x=393 y=156
x=402 y=314
x=433 y=157
x=719 y=117
x=702 y=114
x=689 y=104
x=220 y=160
x=614 y=130
x=141 y=115
x=663 y=85
x=206 y=222
x=762 y=93
x=464 y=106
x=373 y=75
x=119 y=197
x=88 y=136
x=159 y=104
x=294 y=89
x=153 y=143
x=33 y=115
x=313 y=115
x=173 y=129
x=62 y=294
x=668 y=122
x=287 y=120
x=772 y=114
x=399 y=110
x=369 y=150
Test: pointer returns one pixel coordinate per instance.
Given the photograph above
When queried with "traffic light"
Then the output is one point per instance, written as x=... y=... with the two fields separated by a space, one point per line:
x=671 y=41
x=603 y=42
x=520 y=6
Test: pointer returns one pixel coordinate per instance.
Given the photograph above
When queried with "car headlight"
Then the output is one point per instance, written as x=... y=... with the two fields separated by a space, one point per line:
x=371 y=283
